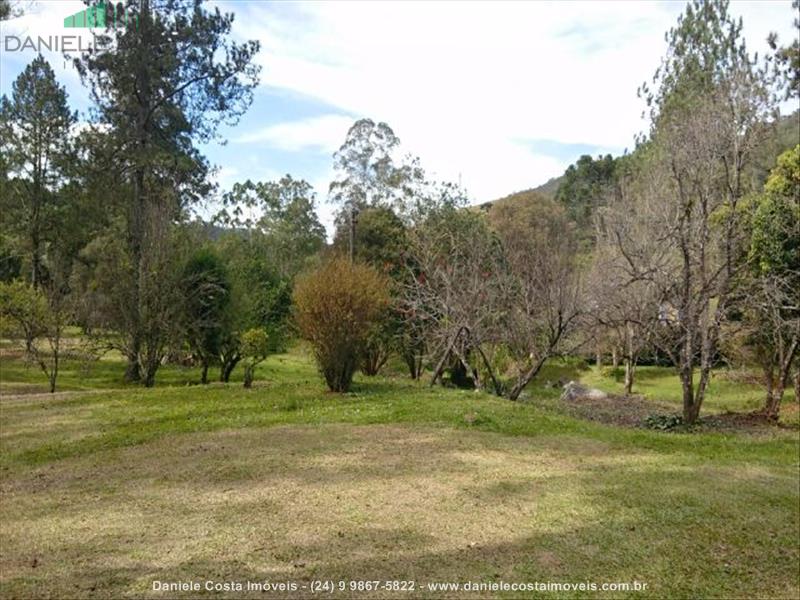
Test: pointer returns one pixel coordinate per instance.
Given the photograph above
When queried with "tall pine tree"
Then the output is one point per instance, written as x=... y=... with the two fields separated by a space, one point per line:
x=165 y=82
x=35 y=133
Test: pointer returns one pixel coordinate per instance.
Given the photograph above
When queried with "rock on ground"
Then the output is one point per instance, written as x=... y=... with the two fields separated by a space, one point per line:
x=574 y=390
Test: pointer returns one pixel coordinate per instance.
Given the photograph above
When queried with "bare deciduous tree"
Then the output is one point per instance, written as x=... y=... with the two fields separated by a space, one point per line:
x=623 y=309
x=773 y=334
x=677 y=228
x=543 y=296
x=453 y=291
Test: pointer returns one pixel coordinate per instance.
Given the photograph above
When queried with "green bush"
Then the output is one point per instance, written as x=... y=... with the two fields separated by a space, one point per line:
x=663 y=422
x=254 y=349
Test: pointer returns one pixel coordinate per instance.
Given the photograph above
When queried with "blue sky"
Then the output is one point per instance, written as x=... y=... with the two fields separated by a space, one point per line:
x=501 y=95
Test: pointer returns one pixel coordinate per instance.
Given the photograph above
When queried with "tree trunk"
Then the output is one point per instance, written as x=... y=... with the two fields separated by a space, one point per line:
x=411 y=362
x=476 y=378
x=55 y=349
x=692 y=397
x=413 y=354
x=135 y=227
x=228 y=365
x=687 y=389
x=776 y=386
x=132 y=369
x=769 y=385
x=373 y=360
x=352 y=232
x=54 y=369
x=136 y=218
x=440 y=367
x=150 y=377
x=204 y=373
x=797 y=383
x=630 y=360
x=526 y=379
x=774 y=407
x=248 y=376
x=340 y=378
x=629 y=368
x=36 y=201
x=150 y=363
x=497 y=388
x=700 y=392
x=785 y=373
x=688 y=406
x=774 y=396
x=614 y=358
x=36 y=260
x=598 y=359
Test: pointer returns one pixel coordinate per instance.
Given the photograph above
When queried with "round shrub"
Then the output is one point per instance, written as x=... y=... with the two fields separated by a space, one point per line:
x=336 y=306
x=254 y=349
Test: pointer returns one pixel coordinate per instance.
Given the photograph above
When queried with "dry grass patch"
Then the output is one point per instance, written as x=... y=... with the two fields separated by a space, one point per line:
x=343 y=502
x=296 y=503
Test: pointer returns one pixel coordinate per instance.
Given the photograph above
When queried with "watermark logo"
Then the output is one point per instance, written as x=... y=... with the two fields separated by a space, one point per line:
x=103 y=14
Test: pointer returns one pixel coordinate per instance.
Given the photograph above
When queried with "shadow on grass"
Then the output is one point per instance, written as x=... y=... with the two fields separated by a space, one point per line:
x=566 y=369
x=684 y=529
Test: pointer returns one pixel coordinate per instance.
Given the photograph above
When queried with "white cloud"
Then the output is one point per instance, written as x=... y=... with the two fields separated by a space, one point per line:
x=324 y=133
x=463 y=83
x=466 y=86
x=325 y=210
x=226 y=176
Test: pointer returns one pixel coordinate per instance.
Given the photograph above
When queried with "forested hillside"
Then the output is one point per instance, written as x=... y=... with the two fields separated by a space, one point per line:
x=586 y=183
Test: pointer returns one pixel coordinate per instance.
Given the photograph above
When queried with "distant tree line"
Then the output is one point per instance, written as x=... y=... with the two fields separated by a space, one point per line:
x=684 y=250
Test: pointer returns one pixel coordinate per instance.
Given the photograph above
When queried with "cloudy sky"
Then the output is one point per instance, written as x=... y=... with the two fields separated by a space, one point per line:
x=501 y=95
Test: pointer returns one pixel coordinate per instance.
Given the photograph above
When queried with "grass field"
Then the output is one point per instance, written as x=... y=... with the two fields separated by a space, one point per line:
x=107 y=489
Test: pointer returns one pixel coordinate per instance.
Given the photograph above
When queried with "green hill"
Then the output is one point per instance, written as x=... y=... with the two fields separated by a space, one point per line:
x=550 y=187
x=522 y=198
x=786 y=135
x=546 y=191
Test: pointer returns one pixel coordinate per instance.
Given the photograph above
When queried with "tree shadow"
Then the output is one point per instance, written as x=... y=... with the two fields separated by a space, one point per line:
x=561 y=511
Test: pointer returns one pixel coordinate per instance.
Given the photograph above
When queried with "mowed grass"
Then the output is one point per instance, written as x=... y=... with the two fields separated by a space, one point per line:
x=22 y=377
x=106 y=491
x=735 y=391
x=738 y=390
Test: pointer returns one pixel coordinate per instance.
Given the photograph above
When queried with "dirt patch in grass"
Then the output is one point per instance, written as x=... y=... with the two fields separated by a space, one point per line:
x=632 y=411
x=790 y=413
x=33 y=393
x=626 y=411
x=15 y=390
x=11 y=353
x=754 y=422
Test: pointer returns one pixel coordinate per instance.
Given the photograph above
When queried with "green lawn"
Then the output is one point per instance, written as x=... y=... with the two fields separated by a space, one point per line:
x=726 y=392
x=106 y=491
